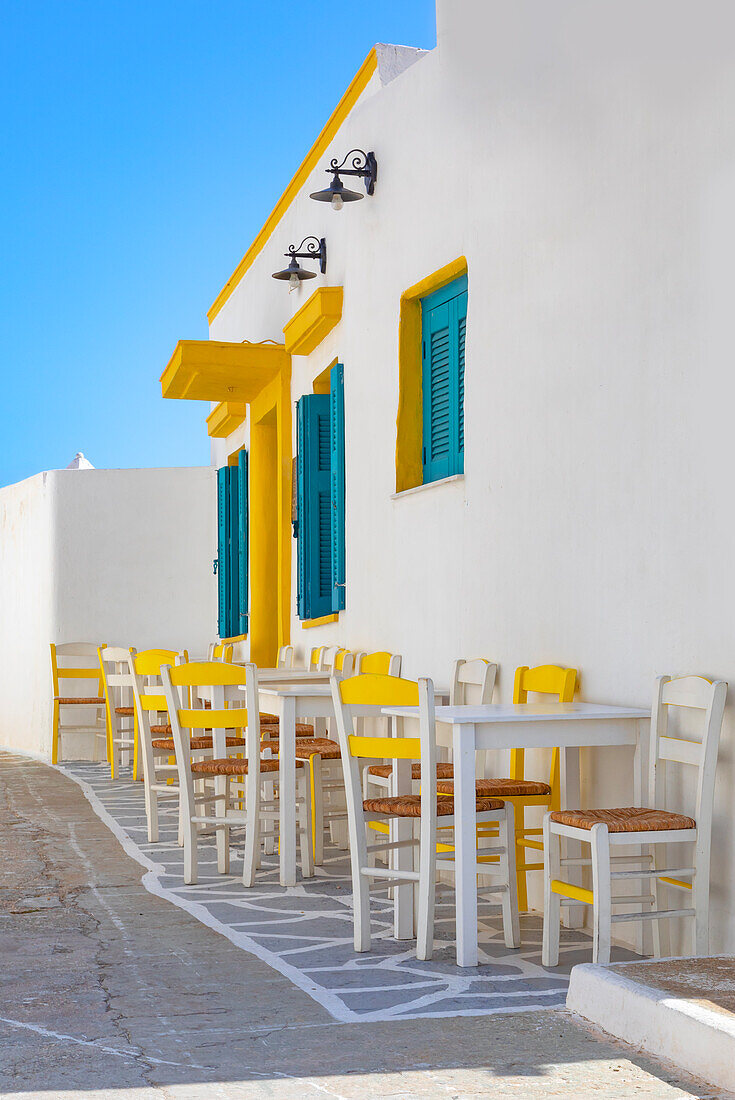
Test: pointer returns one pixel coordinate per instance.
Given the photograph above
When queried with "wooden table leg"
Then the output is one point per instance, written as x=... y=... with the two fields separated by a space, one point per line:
x=465 y=833
x=287 y=790
x=572 y=916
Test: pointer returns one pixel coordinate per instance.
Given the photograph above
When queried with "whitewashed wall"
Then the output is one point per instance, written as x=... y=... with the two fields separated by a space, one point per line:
x=582 y=157
x=116 y=556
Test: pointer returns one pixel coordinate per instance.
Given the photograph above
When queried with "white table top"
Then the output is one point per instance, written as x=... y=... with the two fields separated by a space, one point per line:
x=292 y=675
x=288 y=690
x=487 y=713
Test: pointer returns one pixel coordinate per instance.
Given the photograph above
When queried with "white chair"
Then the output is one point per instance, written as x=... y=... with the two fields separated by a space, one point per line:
x=71 y=661
x=248 y=769
x=363 y=697
x=381 y=663
x=285 y=657
x=606 y=830
x=155 y=739
x=118 y=687
x=473 y=682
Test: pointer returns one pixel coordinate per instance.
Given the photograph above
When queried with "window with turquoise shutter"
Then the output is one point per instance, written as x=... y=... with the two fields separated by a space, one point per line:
x=232 y=548
x=443 y=325
x=337 y=483
x=320 y=497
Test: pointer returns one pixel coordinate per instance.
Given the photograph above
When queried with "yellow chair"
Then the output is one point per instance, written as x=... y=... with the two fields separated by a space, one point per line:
x=363 y=697
x=247 y=773
x=522 y=792
x=154 y=737
x=70 y=652
x=378 y=664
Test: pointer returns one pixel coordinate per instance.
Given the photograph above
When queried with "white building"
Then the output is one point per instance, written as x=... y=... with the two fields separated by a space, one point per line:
x=122 y=557
x=575 y=162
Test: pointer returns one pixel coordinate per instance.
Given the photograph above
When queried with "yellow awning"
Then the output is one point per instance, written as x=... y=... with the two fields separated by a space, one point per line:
x=212 y=370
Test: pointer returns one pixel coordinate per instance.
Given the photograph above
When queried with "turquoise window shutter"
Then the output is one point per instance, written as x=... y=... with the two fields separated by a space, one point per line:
x=243 y=501
x=314 y=507
x=222 y=551
x=233 y=609
x=300 y=492
x=444 y=322
x=337 y=483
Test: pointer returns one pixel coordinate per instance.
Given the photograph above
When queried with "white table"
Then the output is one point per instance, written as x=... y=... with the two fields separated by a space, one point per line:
x=292 y=703
x=567 y=726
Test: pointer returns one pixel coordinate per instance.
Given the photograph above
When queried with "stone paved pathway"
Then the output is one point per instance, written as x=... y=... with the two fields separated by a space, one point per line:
x=108 y=991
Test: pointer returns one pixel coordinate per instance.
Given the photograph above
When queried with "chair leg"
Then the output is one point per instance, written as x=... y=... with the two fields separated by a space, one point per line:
x=700 y=898
x=151 y=813
x=269 y=842
x=221 y=790
x=552 y=901
x=251 y=860
x=317 y=803
x=511 y=920
x=305 y=830
x=602 y=893
x=360 y=889
x=190 y=853
x=55 y=736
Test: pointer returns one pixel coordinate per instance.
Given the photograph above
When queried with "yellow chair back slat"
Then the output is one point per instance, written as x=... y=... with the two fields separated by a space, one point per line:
x=207 y=674
x=222 y=651
x=78 y=673
x=339 y=659
x=148 y=662
x=235 y=718
x=153 y=702
x=379 y=689
x=385 y=748
x=546 y=679
x=376 y=663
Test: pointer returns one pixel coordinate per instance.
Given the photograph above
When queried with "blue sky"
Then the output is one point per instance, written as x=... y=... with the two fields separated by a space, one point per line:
x=143 y=146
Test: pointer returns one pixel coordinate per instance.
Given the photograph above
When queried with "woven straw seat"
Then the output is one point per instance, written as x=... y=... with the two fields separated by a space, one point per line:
x=166 y=729
x=308 y=746
x=124 y=712
x=196 y=743
x=626 y=819
x=80 y=700
x=443 y=771
x=233 y=767
x=270 y=728
x=500 y=788
x=409 y=805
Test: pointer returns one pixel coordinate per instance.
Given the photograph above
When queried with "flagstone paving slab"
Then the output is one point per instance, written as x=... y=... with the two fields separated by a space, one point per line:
x=121 y=1027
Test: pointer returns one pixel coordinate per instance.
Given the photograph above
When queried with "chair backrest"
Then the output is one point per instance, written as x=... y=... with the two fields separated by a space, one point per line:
x=117 y=678
x=285 y=657
x=546 y=680
x=315 y=658
x=381 y=663
x=63 y=666
x=341 y=661
x=364 y=696
x=671 y=696
x=150 y=701
x=220 y=651
x=225 y=683
x=473 y=682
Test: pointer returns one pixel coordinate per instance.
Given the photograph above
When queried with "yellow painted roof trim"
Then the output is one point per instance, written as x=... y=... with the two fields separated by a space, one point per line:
x=347 y=102
x=315 y=320
x=225 y=418
x=215 y=370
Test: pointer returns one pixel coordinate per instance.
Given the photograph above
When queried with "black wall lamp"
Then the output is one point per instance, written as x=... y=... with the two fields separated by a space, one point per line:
x=363 y=164
x=316 y=249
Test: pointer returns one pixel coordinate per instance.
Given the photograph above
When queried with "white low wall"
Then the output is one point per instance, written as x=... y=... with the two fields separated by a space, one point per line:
x=116 y=556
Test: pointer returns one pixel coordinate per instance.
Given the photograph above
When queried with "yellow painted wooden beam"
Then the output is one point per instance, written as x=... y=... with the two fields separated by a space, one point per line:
x=321 y=621
x=225 y=418
x=315 y=320
x=567 y=890
x=213 y=370
x=357 y=86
